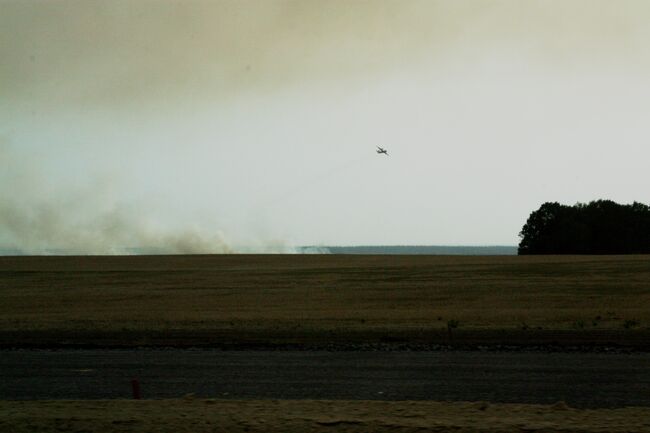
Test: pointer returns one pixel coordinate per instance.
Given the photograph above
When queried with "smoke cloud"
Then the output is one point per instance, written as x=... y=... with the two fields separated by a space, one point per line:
x=166 y=125
x=37 y=218
x=132 y=53
x=47 y=228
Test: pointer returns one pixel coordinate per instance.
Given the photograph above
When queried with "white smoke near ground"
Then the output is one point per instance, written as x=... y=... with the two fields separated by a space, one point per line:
x=48 y=227
x=45 y=228
x=39 y=218
x=314 y=250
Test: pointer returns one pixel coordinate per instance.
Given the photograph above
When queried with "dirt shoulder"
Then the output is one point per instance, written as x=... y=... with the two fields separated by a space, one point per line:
x=206 y=415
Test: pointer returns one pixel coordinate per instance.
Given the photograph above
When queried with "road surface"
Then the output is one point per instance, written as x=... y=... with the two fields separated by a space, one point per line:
x=591 y=380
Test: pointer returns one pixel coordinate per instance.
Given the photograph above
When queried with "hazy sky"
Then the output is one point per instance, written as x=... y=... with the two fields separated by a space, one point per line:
x=252 y=125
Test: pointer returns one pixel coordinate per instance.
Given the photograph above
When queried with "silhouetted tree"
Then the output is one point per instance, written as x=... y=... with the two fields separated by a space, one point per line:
x=600 y=227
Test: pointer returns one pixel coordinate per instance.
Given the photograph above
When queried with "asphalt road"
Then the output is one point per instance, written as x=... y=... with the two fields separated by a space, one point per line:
x=579 y=379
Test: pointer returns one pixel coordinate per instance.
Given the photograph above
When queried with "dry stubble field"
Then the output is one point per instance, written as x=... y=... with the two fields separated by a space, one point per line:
x=321 y=299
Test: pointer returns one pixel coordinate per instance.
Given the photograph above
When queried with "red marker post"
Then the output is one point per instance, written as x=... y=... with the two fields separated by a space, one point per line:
x=135 y=385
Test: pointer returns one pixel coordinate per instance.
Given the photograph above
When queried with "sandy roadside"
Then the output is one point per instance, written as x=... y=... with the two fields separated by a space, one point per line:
x=208 y=415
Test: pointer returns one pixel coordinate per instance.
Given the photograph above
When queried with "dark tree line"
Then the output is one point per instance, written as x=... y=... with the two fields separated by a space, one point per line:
x=599 y=227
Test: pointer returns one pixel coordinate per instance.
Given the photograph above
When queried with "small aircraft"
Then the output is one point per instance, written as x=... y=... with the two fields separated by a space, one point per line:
x=381 y=150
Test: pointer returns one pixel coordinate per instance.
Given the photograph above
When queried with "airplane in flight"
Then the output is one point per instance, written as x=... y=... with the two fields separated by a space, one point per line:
x=381 y=150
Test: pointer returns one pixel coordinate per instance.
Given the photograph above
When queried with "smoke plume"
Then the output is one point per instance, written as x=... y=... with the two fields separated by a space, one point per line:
x=167 y=125
x=39 y=218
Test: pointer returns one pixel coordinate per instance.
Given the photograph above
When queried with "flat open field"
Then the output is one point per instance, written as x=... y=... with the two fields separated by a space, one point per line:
x=323 y=299
x=193 y=415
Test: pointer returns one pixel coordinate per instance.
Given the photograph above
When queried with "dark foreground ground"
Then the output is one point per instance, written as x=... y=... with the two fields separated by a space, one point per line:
x=582 y=380
x=189 y=415
x=582 y=306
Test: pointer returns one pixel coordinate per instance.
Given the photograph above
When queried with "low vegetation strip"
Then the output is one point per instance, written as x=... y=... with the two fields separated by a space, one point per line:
x=206 y=415
x=321 y=299
x=388 y=339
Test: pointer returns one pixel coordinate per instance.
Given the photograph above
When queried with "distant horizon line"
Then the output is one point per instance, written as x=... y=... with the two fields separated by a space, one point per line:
x=416 y=249
x=415 y=245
